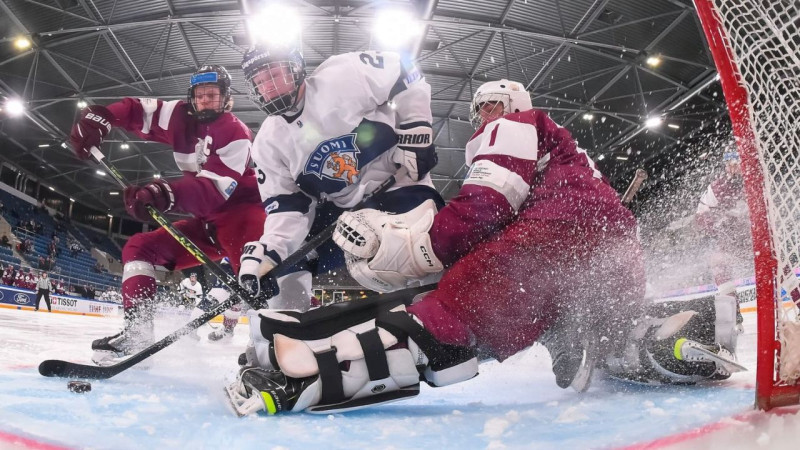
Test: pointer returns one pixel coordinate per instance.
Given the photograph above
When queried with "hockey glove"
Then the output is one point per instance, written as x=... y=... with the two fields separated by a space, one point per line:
x=415 y=149
x=254 y=273
x=90 y=130
x=157 y=194
x=396 y=250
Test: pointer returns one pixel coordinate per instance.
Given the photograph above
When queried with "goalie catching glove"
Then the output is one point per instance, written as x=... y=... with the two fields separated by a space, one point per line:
x=342 y=357
x=386 y=252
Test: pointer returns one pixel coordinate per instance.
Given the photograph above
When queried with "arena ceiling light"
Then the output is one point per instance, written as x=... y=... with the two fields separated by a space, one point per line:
x=653 y=61
x=674 y=126
x=124 y=146
x=393 y=28
x=653 y=122
x=82 y=104
x=588 y=117
x=276 y=24
x=100 y=172
x=22 y=43
x=14 y=107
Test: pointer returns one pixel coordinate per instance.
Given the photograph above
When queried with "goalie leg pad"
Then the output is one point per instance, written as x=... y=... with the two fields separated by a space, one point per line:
x=363 y=353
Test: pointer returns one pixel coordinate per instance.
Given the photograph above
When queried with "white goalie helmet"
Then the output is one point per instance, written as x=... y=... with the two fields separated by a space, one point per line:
x=511 y=94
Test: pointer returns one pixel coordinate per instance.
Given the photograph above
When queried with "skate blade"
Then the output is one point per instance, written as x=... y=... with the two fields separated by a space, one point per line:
x=240 y=405
x=701 y=354
x=583 y=378
x=105 y=358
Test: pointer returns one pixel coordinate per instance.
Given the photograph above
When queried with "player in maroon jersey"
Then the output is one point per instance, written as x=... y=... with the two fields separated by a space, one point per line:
x=722 y=215
x=537 y=246
x=212 y=148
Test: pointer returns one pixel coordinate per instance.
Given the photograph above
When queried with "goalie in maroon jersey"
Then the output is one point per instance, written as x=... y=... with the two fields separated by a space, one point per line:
x=538 y=248
x=212 y=148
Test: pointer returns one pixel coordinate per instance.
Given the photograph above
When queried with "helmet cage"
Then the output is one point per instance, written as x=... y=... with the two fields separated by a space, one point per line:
x=259 y=66
x=215 y=75
x=477 y=103
x=512 y=94
x=264 y=76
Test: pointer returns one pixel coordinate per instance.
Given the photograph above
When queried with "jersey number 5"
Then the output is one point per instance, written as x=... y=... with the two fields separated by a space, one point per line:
x=376 y=62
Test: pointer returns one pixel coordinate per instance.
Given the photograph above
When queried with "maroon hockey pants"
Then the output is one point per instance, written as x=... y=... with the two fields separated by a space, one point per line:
x=510 y=289
x=235 y=228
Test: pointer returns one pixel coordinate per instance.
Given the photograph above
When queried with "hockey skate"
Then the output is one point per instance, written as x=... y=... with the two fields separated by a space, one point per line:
x=658 y=351
x=265 y=390
x=136 y=335
x=220 y=334
x=573 y=354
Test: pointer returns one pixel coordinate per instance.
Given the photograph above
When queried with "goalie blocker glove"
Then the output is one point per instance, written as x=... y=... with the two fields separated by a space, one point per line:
x=415 y=149
x=342 y=357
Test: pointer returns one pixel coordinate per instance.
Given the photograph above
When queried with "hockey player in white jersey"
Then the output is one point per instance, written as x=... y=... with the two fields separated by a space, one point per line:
x=191 y=290
x=329 y=139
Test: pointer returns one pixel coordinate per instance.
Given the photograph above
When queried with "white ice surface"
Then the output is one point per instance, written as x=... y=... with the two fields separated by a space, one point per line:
x=178 y=403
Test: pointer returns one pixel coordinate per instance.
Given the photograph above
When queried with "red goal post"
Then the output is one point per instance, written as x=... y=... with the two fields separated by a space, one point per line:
x=756 y=48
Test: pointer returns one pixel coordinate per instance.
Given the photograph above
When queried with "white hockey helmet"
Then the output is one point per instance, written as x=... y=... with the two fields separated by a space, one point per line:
x=511 y=94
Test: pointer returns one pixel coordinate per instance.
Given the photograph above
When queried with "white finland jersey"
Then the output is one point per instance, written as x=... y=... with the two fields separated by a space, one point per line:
x=340 y=145
x=194 y=291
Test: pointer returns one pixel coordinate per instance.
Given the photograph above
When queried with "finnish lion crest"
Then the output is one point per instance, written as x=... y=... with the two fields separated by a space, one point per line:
x=335 y=159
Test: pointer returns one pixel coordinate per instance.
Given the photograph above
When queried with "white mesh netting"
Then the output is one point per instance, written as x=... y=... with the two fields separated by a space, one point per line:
x=765 y=40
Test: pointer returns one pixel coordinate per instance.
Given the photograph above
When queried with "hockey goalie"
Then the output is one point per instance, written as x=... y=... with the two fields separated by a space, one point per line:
x=536 y=247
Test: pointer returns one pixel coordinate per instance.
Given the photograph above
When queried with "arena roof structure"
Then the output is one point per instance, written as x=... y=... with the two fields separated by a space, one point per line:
x=633 y=81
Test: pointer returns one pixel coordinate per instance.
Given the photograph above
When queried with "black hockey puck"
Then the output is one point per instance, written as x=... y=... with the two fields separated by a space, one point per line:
x=79 y=387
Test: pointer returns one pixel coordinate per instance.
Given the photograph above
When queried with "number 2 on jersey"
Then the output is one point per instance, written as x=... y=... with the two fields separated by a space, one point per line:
x=376 y=62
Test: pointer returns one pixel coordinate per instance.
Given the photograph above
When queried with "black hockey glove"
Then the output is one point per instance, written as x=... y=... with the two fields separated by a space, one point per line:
x=415 y=149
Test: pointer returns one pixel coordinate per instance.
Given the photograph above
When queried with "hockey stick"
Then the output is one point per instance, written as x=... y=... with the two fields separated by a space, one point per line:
x=225 y=278
x=59 y=368
x=633 y=188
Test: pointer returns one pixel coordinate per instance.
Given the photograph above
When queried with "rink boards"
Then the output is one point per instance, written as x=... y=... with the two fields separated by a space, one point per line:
x=25 y=299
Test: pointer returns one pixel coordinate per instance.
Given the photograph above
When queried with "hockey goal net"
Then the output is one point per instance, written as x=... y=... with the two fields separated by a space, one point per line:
x=756 y=48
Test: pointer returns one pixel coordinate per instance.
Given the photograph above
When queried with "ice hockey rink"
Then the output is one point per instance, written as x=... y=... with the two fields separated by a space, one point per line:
x=178 y=402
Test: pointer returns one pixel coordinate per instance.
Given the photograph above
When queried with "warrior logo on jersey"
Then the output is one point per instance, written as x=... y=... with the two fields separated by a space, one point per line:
x=335 y=159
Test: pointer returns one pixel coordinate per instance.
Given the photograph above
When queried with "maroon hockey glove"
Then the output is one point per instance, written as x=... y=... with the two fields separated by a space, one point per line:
x=158 y=194
x=93 y=126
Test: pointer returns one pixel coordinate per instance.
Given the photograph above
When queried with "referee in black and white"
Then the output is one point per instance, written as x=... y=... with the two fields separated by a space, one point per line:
x=43 y=290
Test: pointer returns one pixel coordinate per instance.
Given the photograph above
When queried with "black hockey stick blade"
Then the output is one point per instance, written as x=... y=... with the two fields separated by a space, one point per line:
x=59 y=368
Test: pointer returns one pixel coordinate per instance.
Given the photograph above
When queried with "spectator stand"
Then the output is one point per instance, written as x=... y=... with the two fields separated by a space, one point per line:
x=77 y=270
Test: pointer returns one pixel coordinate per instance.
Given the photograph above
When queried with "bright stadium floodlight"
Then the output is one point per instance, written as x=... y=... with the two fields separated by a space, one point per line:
x=82 y=104
x=124 y=146
x=100 y=172
x=22 y=43
x=275 y=25
x=395 y=28
x=14 y=107
x=653 y=122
